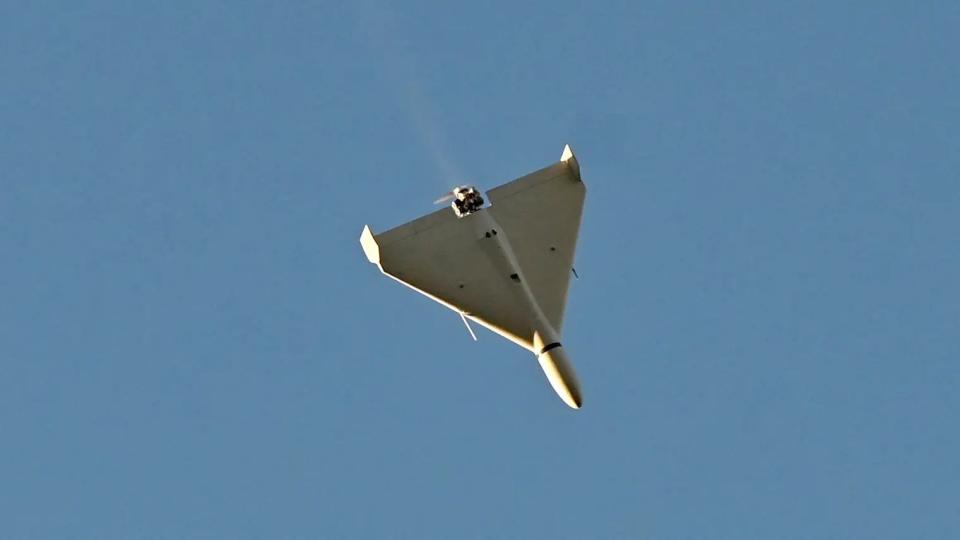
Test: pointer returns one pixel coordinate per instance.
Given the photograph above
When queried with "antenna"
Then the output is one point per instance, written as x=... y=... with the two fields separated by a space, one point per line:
x=465 y=323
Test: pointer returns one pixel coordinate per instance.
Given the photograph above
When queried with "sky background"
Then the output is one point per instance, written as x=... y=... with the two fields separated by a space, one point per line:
x=193 y=345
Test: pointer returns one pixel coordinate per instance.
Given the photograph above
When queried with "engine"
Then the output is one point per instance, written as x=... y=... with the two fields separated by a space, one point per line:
x=466 y=200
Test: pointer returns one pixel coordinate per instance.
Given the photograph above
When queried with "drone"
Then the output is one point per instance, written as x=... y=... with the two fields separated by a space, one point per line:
x=505 y=265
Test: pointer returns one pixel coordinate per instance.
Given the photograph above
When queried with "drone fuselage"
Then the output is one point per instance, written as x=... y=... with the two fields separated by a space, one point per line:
x=553 y=359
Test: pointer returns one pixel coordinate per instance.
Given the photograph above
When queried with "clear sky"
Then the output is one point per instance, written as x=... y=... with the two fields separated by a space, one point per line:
x=766 y=328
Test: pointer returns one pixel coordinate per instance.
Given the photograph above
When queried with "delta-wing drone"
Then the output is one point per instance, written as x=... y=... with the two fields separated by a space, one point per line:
x=505 y=265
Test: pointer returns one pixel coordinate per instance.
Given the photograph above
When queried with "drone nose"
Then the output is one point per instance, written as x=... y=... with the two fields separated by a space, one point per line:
x=559 y=371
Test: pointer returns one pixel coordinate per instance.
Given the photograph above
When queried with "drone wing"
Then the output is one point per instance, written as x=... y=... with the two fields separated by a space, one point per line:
x=442 y=257
x=542 y=212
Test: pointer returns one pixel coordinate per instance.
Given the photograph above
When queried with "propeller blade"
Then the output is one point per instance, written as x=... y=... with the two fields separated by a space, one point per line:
x=446 y=197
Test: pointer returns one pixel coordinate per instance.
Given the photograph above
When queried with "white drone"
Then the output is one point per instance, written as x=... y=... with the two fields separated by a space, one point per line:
x=505 y=266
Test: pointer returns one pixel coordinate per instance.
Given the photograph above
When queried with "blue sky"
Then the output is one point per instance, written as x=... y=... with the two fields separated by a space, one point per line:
x=192 y=344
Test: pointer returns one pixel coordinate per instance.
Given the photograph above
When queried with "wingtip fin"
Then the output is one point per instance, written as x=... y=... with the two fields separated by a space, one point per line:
x=571 y=160
x=370 y=246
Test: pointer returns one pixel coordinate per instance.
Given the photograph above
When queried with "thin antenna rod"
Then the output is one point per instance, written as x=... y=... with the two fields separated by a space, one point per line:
x=465 y=323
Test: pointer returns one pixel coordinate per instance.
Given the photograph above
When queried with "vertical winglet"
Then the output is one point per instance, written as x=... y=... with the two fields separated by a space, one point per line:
x=571 y=160
x=370 y=246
